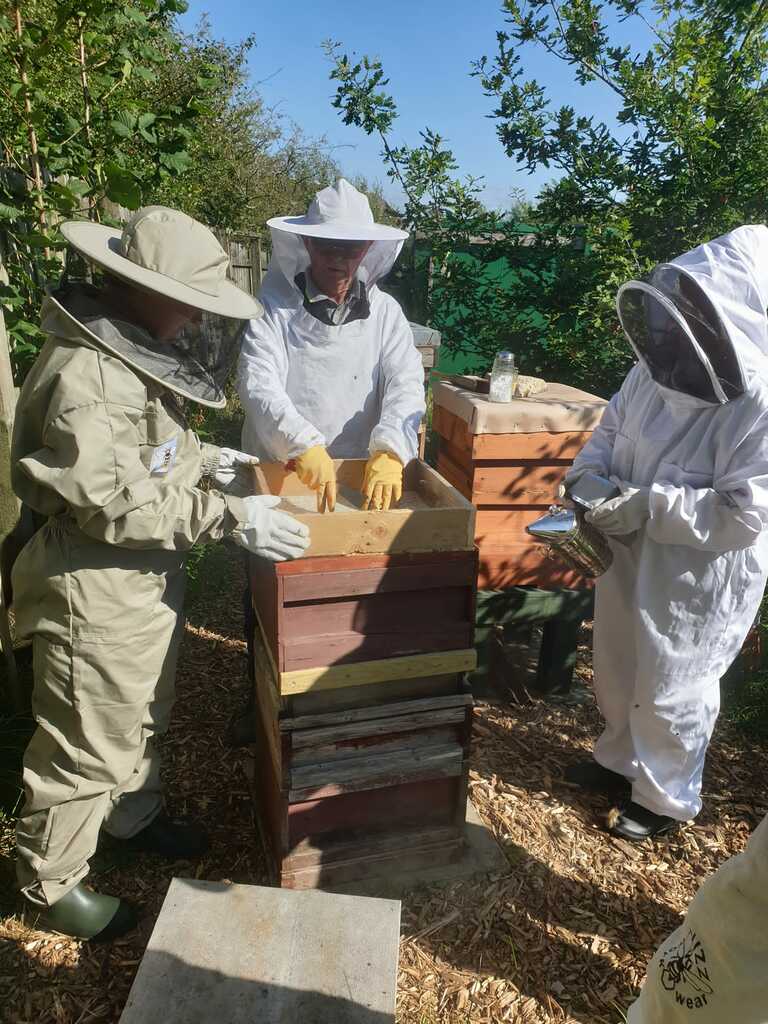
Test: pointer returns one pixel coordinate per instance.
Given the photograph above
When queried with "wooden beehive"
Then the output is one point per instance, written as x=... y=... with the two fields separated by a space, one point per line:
x=341 y=792
x=432 y=516
x=511 y=479
x=363 y=713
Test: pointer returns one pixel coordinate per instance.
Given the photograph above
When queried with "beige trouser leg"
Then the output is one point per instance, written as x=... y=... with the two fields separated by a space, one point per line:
x=95 y=708
x=137 y=801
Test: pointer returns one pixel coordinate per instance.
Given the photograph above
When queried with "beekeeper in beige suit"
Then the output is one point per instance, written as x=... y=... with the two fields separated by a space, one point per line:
x=714 y=968
x=102 y=453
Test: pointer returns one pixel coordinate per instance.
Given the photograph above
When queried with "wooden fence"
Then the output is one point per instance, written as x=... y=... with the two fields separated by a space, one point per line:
x=247 y=259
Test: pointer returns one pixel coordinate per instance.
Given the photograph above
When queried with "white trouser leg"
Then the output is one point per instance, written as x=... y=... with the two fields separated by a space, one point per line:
x=614 y=661
x=672 y=723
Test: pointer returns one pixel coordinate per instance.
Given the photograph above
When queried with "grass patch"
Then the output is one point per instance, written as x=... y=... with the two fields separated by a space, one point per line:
x=208 y=569
x=747 y=707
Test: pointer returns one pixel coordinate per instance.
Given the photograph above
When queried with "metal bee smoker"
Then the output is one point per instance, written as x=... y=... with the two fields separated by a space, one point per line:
x=584 y=548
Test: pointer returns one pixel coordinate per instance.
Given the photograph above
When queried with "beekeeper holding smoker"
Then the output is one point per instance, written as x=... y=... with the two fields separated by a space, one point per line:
x=685 y=443
x=331 y=371
x=102 y=454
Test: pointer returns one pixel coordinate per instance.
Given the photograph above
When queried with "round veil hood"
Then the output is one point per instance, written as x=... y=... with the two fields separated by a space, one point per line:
x=699 y=322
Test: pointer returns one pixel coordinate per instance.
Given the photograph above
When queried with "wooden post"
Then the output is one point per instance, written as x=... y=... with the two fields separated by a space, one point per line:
x=9 y=505
x=259 y=262
x=255 y=251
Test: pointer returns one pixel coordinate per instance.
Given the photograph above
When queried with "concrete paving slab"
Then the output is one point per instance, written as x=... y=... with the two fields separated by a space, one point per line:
x=246 y=954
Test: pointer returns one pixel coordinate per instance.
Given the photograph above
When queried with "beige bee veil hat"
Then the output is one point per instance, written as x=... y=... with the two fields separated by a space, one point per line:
x=167 y=252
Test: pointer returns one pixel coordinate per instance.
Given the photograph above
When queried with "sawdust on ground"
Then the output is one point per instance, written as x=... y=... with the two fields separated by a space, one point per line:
x=562 y=935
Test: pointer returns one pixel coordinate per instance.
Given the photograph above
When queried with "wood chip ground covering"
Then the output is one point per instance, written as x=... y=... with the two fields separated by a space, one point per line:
x=562 y=935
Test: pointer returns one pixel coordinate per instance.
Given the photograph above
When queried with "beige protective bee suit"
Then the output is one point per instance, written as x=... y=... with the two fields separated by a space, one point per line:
x=714 y=968
x=104 y=453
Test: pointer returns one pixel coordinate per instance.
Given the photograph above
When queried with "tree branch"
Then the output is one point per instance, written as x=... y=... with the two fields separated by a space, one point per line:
x=570 y=59
x=37 y=173
x=753 y=25
x=93 y=209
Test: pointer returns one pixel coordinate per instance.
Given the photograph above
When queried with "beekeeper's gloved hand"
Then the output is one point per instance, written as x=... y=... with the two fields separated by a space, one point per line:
x=622 y=515
x=233 y=466
x=315 y=469
x=270 y=533
x=383 y=481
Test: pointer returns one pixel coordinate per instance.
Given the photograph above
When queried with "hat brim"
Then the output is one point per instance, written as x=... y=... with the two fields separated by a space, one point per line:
x=335 y=229
x=101 y=244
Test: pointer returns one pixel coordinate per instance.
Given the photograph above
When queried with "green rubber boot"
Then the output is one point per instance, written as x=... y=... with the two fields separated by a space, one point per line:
x=85 y=914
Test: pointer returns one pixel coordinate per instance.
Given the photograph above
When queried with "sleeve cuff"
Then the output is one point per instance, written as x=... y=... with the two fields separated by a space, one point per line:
x=235 y=516
x=211 y=455
x=383 y=444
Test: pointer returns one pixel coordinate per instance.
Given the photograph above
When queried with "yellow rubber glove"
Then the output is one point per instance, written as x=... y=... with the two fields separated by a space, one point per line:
x=383 y=483
x=315 y=469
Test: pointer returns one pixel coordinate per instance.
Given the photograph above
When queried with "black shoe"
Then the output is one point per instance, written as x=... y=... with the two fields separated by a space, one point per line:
x=636 y=823
x=592 y=776
x=85 y=914
x=172 y=838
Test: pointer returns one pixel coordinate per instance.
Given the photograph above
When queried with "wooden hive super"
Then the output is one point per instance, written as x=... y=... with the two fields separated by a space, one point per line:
x=510 y=469
x=361 y=648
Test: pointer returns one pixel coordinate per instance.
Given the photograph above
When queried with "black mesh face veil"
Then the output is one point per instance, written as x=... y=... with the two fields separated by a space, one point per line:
x=195 y=365
x=210 y=348
x=706 y=325
x=685 y=349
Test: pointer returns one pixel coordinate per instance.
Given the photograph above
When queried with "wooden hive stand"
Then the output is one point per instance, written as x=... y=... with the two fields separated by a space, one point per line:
x=363 y=714
x=509 y=461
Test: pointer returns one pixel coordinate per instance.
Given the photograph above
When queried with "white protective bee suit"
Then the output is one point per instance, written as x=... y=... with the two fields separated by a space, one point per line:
x=687 y=436
x=355 y=389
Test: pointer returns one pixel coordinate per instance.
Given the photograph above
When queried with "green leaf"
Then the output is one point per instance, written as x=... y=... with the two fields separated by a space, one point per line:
x=37 y=240
x=131 y=14
x=121 y=129
x=10 y=212
x=124 y=124
x=176 y=162
x=78 y=186
x=25 y=327
x=122 y=186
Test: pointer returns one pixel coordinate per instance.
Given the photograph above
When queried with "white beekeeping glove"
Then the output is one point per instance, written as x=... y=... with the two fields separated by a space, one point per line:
x=233 y=466
x=269 y=533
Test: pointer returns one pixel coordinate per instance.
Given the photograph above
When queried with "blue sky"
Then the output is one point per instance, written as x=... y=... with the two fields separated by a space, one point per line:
x=426 y=47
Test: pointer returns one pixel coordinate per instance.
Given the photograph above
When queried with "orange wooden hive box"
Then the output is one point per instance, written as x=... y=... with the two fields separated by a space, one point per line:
x=509 y=460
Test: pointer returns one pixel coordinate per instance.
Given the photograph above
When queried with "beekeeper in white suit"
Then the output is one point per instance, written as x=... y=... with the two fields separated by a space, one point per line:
x=331 y=370
x=686 y=440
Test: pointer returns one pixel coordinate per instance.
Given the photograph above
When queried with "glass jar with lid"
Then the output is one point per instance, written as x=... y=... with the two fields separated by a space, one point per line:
x=504 y=376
